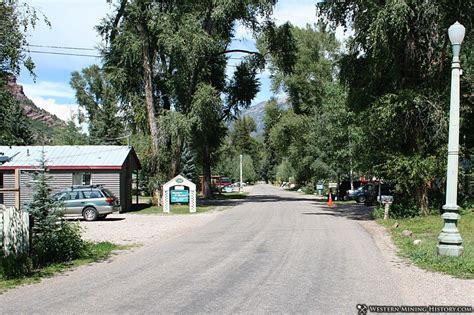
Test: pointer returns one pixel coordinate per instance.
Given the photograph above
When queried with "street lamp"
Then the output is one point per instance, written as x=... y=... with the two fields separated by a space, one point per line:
x=450 y=241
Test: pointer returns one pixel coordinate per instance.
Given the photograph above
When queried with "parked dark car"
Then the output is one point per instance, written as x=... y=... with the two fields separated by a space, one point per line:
x=363 y=192
x=352 y=194
x=345 y=191
x=378 y=190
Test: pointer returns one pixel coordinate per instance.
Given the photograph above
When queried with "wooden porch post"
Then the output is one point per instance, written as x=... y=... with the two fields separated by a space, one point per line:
x=17 y=188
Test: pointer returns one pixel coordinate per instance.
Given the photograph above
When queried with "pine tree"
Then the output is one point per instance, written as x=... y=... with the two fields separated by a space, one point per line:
x=53 y=239
x=46 y=211
x=188 y=162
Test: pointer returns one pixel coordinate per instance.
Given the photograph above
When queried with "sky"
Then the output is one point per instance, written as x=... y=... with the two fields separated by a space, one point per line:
x=72 y=25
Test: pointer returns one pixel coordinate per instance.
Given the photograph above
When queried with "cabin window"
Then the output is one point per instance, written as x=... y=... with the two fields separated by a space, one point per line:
x=81 y=178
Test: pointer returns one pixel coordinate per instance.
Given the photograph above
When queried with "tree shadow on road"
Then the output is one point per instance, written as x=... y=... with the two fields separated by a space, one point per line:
x=251 y=199
x=357 y=212
x=351 y=211
x=273 y=198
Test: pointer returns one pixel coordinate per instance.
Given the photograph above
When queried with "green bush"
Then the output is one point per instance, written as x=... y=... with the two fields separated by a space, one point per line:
x=15 y=266
x=378 y=212
x=308 y=189
x=404 y=208
x=467 y=205
x=60 y=245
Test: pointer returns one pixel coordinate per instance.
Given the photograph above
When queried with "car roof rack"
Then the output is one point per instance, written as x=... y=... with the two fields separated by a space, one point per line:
x=85 y=186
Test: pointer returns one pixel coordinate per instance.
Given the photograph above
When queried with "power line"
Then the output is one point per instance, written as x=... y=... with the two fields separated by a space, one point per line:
x=85 y=55
x=62 y=53
x=93 y=49
x=62 y=47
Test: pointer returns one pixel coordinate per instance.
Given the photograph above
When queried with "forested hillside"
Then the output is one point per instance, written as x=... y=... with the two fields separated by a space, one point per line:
x=43 y=124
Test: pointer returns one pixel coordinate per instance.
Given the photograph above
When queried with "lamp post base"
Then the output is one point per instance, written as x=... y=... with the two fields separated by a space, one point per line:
x=449 y=240
x=450 y=250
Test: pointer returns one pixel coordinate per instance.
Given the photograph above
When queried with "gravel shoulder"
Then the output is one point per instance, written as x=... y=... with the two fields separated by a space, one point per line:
x=419 y=286
x=128 y=228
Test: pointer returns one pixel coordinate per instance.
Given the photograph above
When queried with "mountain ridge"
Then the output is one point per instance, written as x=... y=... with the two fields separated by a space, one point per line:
x=30 y=109
x=257 y=112
x=43 y=124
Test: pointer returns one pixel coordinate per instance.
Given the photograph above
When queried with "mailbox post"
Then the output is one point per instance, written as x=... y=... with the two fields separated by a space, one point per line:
x=387 y=201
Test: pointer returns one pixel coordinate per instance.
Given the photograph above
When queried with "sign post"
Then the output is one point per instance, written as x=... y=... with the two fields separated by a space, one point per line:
x=179 y=190
x=319 y=188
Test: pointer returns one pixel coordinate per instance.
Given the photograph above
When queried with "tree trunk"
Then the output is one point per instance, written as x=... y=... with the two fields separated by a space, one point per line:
x=176 y=158
x=206 y=172
x=422 y=199
x=150 y=104
x=148 y=82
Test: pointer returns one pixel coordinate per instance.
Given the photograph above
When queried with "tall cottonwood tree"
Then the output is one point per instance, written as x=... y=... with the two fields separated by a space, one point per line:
x=170 y=52
x=314 y=134
x=96 y=95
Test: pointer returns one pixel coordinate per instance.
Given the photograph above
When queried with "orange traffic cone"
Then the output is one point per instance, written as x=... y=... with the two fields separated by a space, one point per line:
x=330 y=200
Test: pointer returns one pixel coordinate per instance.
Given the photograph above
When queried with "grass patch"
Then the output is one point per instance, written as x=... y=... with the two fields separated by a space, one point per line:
x=425 y=255
x=96 y=252
x=344 y=202
x=175 y=209
x=141 y=199
x=145 y=208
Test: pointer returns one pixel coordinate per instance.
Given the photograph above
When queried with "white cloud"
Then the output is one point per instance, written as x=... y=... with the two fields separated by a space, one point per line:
x=48 y=89
x=63 y=111
x=298 y=12
x=242 y=33
x=72 y=22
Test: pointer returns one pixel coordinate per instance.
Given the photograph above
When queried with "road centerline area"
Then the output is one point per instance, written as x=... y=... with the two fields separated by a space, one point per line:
x=276 y=252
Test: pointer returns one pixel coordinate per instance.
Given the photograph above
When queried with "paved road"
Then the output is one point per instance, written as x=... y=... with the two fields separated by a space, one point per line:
x=275 y=253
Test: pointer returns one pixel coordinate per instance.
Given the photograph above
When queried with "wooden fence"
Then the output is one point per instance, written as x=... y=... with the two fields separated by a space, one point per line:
x=14 y=231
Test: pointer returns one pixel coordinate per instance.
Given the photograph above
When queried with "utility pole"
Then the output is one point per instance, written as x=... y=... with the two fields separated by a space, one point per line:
x=241 y=183
x=350 y=164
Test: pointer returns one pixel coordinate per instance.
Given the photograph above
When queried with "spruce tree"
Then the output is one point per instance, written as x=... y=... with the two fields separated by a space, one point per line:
x=54 y=239
x=188 y=162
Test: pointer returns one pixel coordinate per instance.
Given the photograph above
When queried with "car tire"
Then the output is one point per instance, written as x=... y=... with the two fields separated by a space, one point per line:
x=90 y=214
x=361 y=199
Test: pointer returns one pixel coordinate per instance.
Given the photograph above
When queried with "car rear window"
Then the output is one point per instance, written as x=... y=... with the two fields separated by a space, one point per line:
x=107 y=193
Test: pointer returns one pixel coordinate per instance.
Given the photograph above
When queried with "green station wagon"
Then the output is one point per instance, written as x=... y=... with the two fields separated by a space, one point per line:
x=92 y=202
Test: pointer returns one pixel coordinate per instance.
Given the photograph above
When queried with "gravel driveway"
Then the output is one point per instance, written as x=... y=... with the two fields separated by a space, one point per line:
x=128 y=228
x=132 y=228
